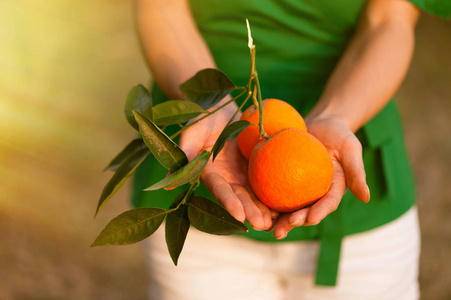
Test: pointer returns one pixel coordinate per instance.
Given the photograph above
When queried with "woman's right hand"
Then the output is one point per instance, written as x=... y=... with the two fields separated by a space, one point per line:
x=226 y=178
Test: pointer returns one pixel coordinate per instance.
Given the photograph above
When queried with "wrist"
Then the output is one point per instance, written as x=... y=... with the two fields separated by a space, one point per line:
x=328 y=115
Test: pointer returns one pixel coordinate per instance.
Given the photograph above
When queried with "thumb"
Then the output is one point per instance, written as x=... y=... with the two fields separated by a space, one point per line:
x=352 y=163
x=191 y=148
x=191 y=143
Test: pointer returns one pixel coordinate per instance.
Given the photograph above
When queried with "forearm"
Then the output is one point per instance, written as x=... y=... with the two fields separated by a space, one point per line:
x=370 y=71
x=171 y=42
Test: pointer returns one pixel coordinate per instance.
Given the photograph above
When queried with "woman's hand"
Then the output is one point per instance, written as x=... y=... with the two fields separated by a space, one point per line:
x=226 y=178
x=346 y=153
x=383 y=40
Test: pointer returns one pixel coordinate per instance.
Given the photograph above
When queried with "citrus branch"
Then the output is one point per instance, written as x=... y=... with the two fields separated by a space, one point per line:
x=254 y=77
x=260 y=108
x=210 y=113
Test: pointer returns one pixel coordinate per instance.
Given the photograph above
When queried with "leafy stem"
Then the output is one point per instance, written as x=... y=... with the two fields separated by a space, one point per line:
x=260 y=108
x=239 y=109
x=253 y=77
x=205 y=91
x=210 y=113
x=194 y=185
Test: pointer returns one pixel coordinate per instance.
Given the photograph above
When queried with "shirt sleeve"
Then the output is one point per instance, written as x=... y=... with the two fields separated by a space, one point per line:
x=440 y=8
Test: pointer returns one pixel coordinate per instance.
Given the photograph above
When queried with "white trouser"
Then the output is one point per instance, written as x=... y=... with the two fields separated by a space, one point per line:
x=378 y=264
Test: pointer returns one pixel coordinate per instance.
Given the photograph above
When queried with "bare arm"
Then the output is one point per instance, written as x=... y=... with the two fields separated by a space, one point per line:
x=171 y=42
x=175 y=51
x=373 y=66
x=367 y=76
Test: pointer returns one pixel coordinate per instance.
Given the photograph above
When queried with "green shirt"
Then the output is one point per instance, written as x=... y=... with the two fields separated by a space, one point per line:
x=298 y=45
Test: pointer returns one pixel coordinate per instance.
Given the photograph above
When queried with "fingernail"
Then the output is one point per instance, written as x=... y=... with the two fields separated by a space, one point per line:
x=270 y=228
x=301 y=219
x=281 y=237
x=297 y=223
x=369 y=193
x=306 y=223
x=258 y=228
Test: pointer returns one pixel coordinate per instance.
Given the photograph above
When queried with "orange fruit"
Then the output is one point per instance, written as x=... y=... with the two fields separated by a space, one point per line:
x=277 y=114
x=290 y=170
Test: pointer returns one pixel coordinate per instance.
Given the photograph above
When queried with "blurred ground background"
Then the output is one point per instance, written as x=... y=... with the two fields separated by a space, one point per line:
x=65 y=71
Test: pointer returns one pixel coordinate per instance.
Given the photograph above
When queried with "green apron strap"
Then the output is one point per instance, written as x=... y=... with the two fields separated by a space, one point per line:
x=331 y=235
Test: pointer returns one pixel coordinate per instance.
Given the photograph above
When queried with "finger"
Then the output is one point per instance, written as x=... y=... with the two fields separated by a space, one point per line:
x=252 y=211
x=329 y=202
x=288 y=221
x=299 y=217
x=274 y=214
x=273 y=224
x=221 y=190
x=274 y=218
x=282 y=227
x=267 y=213
x=352 y=162
x=190 y=144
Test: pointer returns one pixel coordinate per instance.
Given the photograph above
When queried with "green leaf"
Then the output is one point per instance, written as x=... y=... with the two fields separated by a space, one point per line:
x=186 y=174
x=175 y=112
x=138 y=99
x=229 y=133
x=207 y=216
x=120 y=176
x=207 y=87
x=177 y=226
x=133 y=147
x=162 y=147
x=131 y=226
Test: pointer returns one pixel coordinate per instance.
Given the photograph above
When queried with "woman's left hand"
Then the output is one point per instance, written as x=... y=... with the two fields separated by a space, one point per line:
x=346 y=152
